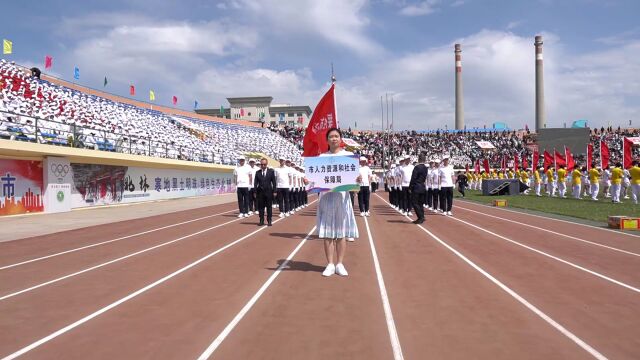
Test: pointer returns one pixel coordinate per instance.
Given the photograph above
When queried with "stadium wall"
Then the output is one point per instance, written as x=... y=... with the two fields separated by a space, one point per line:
x=38 y=177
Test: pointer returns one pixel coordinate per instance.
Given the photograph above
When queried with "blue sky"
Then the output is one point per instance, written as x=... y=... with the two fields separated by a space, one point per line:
x=210 y=50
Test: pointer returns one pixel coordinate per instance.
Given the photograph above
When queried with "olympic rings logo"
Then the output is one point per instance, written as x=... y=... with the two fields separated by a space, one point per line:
x=59 y=170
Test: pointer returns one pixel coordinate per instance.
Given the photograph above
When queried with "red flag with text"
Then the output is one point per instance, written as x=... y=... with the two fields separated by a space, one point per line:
x=604 y=155
x=627 y=156
x=548 y=161
x=323 y=119
x=571 y=163
x=536 y=160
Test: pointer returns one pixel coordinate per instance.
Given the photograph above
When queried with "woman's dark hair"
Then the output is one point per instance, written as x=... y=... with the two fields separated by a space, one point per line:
x=333 y=129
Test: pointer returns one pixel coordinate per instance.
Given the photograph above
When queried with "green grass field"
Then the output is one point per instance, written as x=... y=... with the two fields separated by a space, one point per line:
x=584 y=209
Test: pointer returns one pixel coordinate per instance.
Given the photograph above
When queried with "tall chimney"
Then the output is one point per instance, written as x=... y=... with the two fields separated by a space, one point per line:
x=459 y=97
x=541 y=122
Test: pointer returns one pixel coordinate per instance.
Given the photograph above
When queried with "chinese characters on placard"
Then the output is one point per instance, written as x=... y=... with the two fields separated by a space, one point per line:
x=334 y=168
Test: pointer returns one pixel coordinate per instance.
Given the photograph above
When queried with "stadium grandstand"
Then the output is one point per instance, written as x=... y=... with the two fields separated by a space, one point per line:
x=39 y=110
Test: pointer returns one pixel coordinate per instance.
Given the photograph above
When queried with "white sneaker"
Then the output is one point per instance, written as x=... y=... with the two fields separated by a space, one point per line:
x=287 y=214
x=449 y=213
x=403 y=212
x=350 y=239
x=329 y=270
x=367 y=213
x=241 y=215
x=250 y=213
x=362 y=214
x=340 y=270
x=409 y=213
x=281 y=215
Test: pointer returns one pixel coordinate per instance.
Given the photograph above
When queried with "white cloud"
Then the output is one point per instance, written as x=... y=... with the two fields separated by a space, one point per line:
x=422 y=8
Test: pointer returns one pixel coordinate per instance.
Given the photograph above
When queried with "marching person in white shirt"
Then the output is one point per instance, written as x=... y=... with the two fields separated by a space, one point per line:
x=406 y=171
x=391 y=185
x=293 y=192
x=365 y=187
x=445 y=174
x=252 y=191
x=435 y=185
x=243 y=178
x=606 y=182
x=429 y=186
x=283 y=183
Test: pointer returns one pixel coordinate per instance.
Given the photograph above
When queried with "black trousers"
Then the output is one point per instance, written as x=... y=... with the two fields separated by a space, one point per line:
x=435 y=197
x=363 y=198
x=429 y=197
x=243 y=200
x=283 y=200
x=293 y=199
x=264 y=199
x=406 y=199
x=418 y=200
x=392 y=196
x=252 y=200
x=305 y=197
x=461 y=189
x=446 y=198
x=352 y=195
x=374 y=187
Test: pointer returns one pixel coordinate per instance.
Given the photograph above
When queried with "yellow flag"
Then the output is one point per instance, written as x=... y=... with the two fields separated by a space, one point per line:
x=152 y=95
x=7 y=46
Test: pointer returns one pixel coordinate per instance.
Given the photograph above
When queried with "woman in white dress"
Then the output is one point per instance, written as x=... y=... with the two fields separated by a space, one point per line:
x=335 y=218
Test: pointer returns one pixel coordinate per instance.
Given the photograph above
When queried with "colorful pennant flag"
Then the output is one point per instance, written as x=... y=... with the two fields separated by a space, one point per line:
x=48 y=62
x=132 y=90
x=174 y=100
x=76 y=73
x=152 y=95
x=7 y=46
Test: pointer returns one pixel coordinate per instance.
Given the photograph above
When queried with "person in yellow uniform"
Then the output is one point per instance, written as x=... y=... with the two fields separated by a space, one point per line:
x=594 y=179
x=537 y=178
x=616 y=182
x=524 y=177
x=551 y=182
x=562 y=178
x=576 y=182
x=634 y=172
x=469 y=177
x=501 y=175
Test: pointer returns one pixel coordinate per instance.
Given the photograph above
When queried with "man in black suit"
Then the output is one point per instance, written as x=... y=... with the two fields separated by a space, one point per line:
x=418 y=188
x=265 y=186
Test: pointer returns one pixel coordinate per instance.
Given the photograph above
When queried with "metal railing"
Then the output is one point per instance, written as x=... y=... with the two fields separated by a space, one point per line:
x=29 y=128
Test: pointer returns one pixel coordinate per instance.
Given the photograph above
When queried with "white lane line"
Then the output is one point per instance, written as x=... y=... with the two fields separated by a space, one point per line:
x=551 y=231
x=245 y=309
x=551 y=256
x=69 y=327
x=391 y=325
x=112 y=240
x=550 y=218
x=4 y=297
x=596 y=354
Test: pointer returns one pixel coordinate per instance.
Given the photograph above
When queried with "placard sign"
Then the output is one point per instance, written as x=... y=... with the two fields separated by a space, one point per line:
x=332 y=173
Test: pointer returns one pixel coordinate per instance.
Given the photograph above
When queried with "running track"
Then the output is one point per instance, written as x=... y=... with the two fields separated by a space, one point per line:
x=487 y=283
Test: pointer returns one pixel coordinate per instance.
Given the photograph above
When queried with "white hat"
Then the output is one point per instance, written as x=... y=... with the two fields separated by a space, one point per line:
x=407 y=157
x=445 y=157
x=240 y=157
x=282 y=158
x=252 y=160
x=437 y=161
x=362 y=158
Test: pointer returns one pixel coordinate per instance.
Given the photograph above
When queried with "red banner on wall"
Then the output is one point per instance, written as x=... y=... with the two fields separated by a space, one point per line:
x=22 y=183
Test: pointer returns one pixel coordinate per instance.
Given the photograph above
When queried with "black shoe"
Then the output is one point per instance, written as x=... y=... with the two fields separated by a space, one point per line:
x=261 y=223
x=418 y=221
x=269 y=224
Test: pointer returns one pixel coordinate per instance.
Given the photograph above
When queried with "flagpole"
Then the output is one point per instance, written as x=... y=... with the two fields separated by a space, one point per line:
x=383 y=132
x=335 y=107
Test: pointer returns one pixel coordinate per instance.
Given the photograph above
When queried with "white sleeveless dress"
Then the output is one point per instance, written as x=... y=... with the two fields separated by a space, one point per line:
x=335 y=218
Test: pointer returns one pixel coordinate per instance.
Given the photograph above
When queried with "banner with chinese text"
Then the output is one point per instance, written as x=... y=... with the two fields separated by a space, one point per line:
x=105 y=184
x=332 y=173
